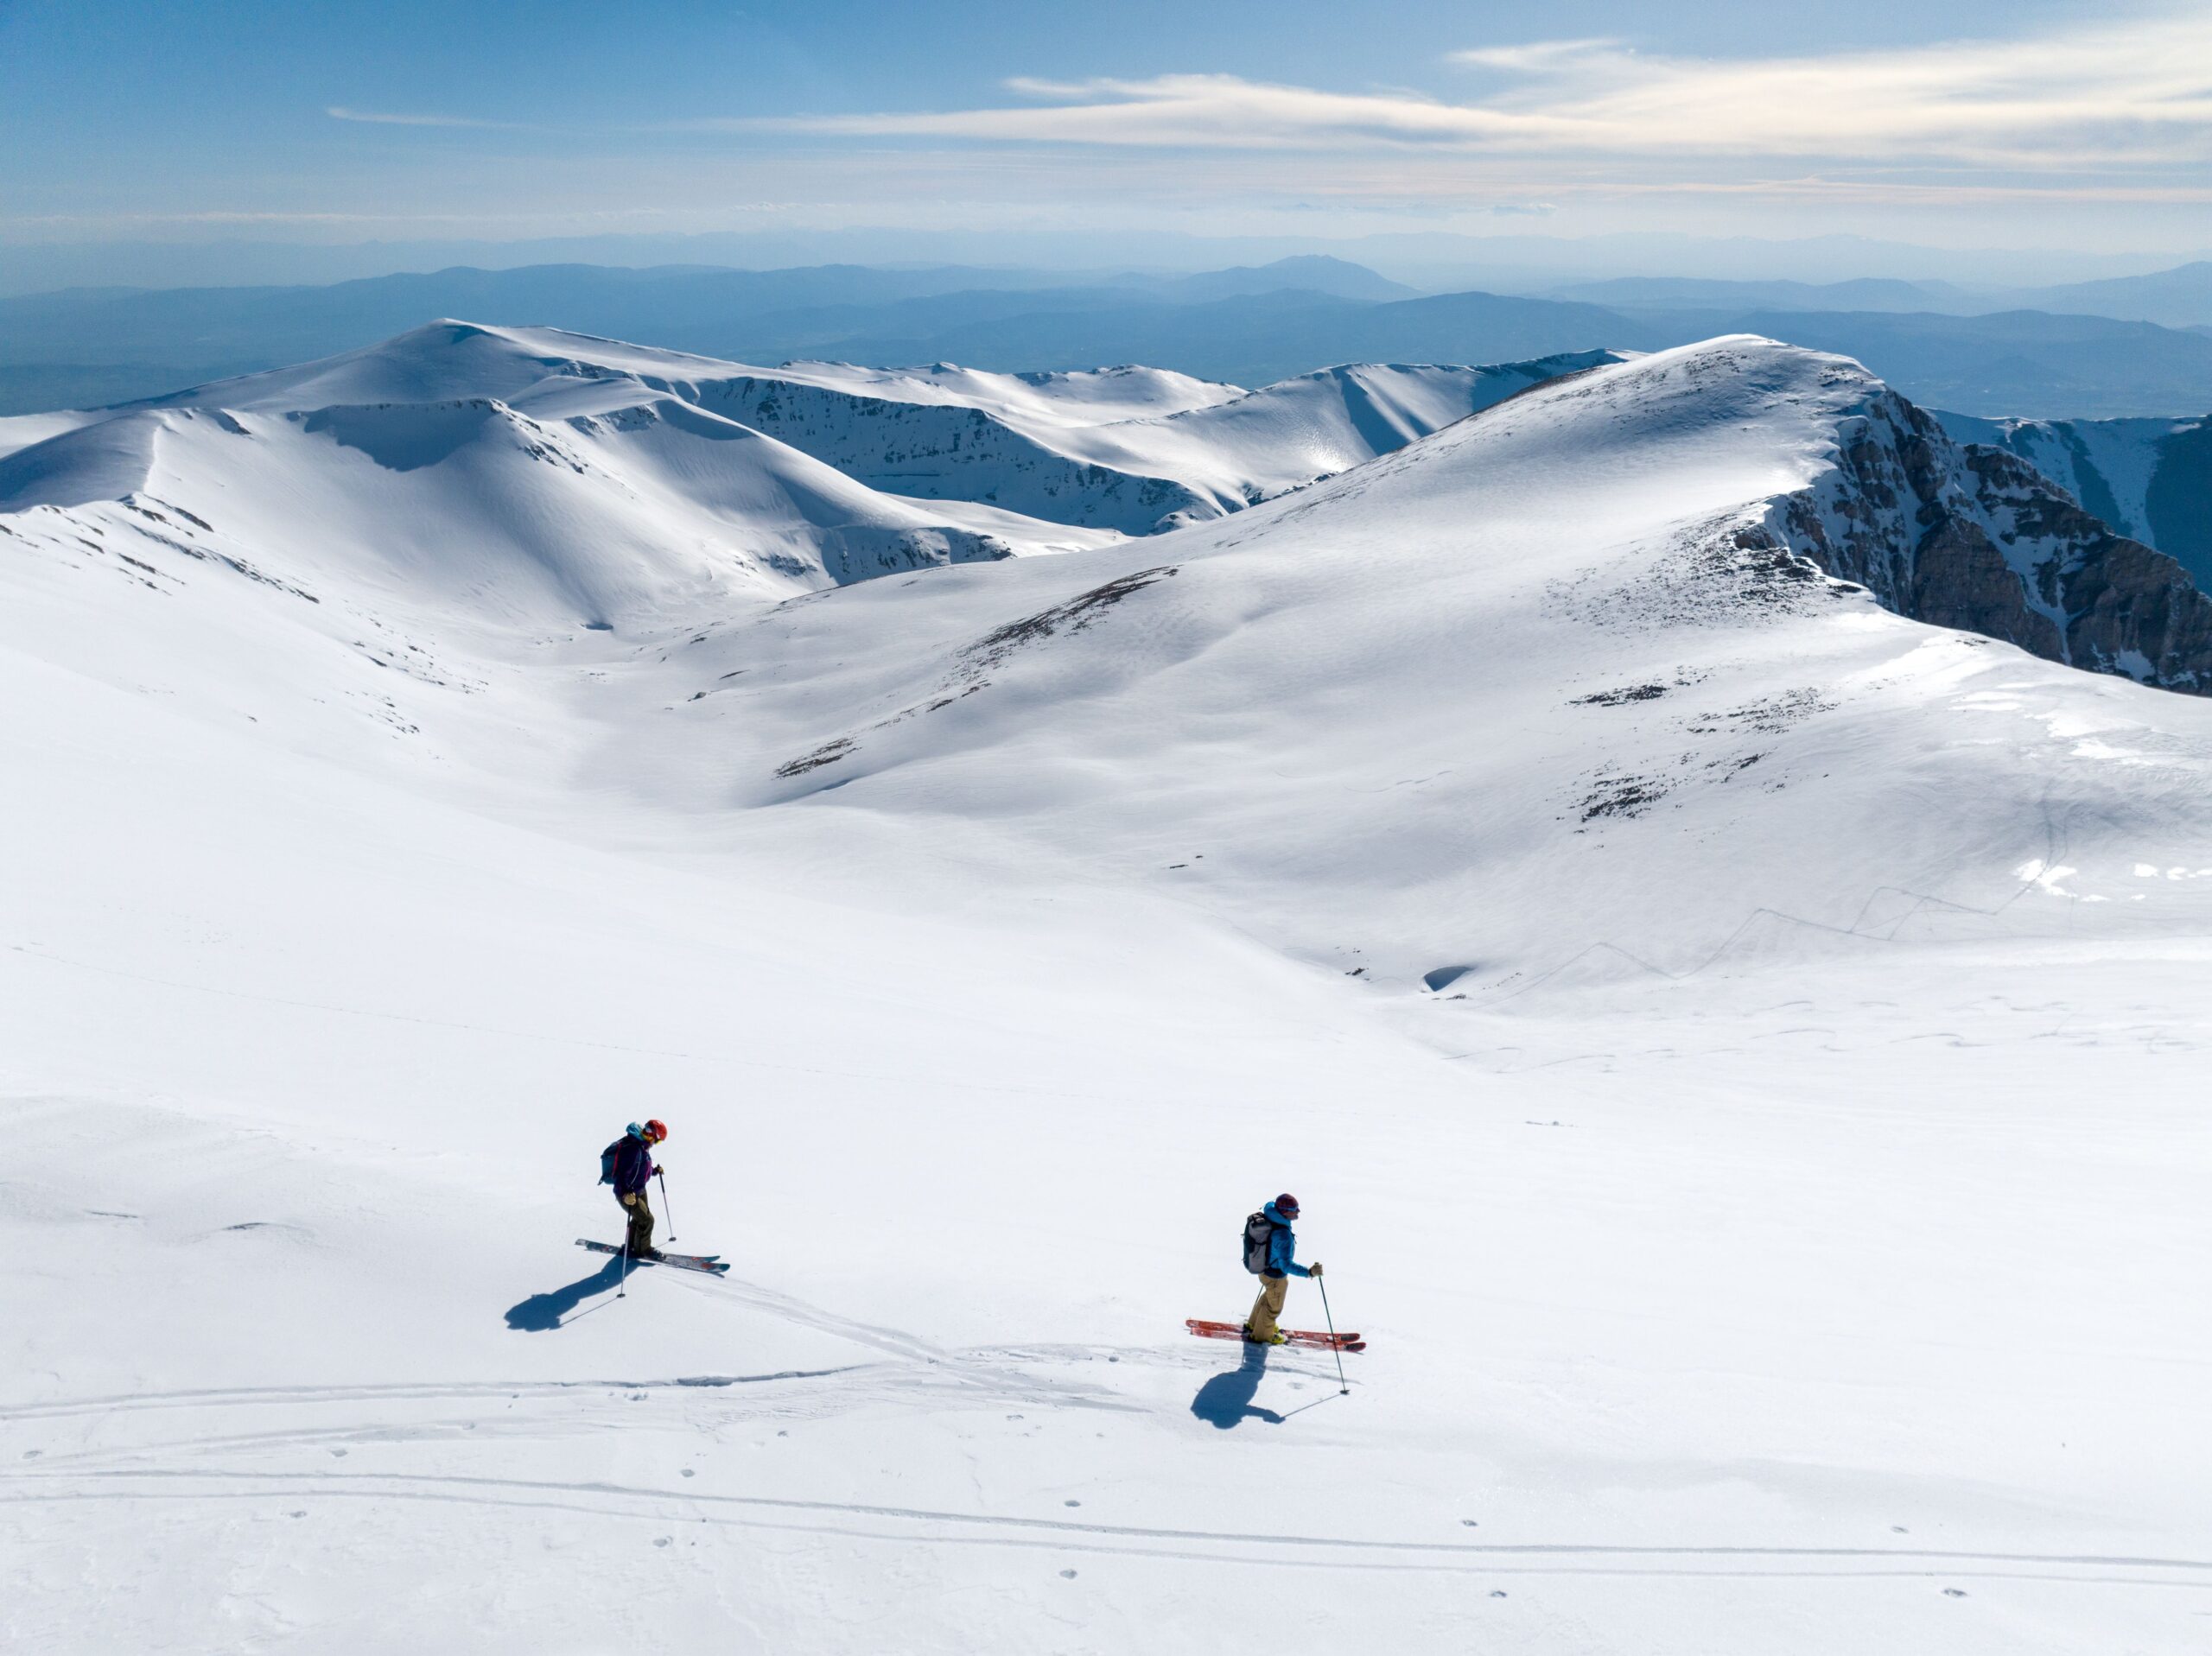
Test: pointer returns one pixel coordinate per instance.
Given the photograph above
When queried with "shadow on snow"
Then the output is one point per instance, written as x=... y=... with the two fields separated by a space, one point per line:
x=1226 y=1400
x=543 y=1311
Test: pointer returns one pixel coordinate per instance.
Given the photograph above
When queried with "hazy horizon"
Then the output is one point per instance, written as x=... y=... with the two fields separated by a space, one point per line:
x=1435 y=262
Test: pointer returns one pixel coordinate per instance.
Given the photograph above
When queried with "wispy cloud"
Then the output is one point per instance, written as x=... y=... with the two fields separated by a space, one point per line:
x=380 y=118
x=2119 y=91
x=1189 y=110
x=1537 y=56
x=2125 y=89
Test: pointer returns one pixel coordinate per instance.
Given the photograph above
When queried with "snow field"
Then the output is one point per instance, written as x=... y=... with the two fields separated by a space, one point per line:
x=1788 y=1243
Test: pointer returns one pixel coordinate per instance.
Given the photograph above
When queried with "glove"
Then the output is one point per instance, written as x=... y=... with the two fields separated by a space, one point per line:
x=656 y=1172
x=1314 y=1269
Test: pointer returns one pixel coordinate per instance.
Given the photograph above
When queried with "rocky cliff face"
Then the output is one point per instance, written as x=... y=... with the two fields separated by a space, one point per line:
x=2150 y=480
x=1973 y=536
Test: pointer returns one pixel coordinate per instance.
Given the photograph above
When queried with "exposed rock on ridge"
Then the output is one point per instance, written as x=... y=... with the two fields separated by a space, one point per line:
x=1974 y=537
x=2150 y=479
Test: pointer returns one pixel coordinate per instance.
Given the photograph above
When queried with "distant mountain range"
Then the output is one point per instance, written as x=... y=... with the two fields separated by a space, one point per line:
x=2181 y=297
x=1249 y=326
x=1692 y=293
x=691 y=308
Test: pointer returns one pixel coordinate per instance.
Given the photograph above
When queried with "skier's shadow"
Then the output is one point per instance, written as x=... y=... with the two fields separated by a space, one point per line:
x=1226 y=1400
x=543 y=1311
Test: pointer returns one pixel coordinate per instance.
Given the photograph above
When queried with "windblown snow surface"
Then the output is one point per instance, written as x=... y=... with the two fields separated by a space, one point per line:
x=1741 y=1051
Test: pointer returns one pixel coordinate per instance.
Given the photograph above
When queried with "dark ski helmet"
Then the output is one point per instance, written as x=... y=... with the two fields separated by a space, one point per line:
x=1286 y=1205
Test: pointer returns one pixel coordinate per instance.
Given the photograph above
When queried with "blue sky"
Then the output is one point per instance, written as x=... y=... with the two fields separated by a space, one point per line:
x=2027 y=124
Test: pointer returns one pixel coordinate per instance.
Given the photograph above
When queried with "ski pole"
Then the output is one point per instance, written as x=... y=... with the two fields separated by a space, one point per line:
x=622 y=1287
x=1344 y=1387
x=664 y=1207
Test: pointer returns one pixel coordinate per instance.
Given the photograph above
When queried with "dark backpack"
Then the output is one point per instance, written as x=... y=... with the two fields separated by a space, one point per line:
x=1259 y=1236
x=607 y=1162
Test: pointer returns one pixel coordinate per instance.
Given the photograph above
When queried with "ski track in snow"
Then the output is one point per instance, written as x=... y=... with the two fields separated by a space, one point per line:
x=1483 y=1558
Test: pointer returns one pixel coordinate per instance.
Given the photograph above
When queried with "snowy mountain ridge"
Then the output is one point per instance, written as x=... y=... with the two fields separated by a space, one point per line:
x=1128 y=450
x=490 y=504
x=1938 y=533
x=457 y=530
x=1139 y=474
x=1737 y=510
x=1736 y=486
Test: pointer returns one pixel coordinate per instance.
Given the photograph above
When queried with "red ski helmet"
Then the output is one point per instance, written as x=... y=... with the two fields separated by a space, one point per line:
x=656 y=1131
x=1286 y=1205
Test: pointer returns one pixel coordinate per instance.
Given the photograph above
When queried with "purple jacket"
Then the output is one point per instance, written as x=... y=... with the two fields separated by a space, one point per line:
x=633 y=1166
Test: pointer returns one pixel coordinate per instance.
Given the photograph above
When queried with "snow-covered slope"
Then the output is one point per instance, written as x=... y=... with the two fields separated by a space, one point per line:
x=1604 y=567
x=569 y=490
x=1098 y=396
x=22 y=430
x=1738 y=1048
x=1282 y=437
x=941 y=450
x=2150 y=479
x=1020 y=441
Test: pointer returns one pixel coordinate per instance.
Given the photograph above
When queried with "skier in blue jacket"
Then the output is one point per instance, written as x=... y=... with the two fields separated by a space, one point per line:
x=1281 y=1245
x=632 y=1155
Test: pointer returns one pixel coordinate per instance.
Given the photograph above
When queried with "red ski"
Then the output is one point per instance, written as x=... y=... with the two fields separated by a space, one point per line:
x=1295 y=1336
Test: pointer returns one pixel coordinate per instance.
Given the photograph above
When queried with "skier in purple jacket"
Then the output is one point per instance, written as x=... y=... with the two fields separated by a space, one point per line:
x=633 y=1170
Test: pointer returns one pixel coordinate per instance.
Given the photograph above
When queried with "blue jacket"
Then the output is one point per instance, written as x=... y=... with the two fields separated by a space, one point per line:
x=633 y=1166
x=1281 y=1245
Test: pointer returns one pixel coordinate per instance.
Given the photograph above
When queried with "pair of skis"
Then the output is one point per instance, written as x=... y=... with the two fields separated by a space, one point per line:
x=1346 y=1342
x=712 y=1264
